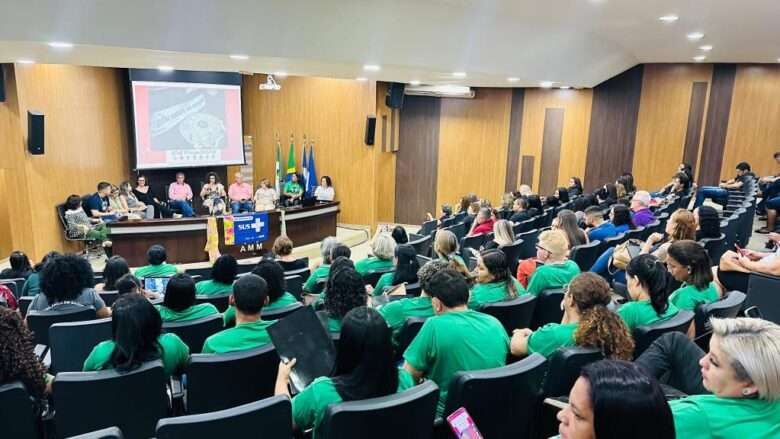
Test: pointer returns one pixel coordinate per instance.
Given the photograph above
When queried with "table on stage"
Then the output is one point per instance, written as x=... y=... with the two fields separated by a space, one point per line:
x=185 y=238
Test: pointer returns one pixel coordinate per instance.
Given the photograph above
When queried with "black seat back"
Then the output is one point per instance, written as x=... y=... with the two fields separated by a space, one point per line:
x=513 y=314
x=194 y=332
x=501 y=401
x=221 y=301
x=409 y=330
x=372 y=418
x=428 y=227
x=304 y=273
x=585 y=255
x=103 y=433
x=422 y=245
x=615 y=240
x=109 y=297
x=133 y=401
x=715 y=248
x=203 y=272
x=422 y=260
x=548 y=308
x=221 y=381
x=17 y=413
x=470 y=242
x=294 y=285
x=727 y=307
x=13 y=285
x=372 y=277
x=512 y=252
x=644 y=336
x=40 y=321
x=458 y=229
x=270 y=417
x=762 y=292
x=24 y=303
x=413 y=289
x=528 y=246
x=71 y=343
x=280 y=313
x=564 y=369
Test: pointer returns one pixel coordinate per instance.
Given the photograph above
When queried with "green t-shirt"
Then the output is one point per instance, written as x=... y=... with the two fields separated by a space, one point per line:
x=175 y=354
x=292 y=188
x=641 y=313
x=550 y=337
x=372 y=264
x=457 y=341
x=334 y=325
x=688 y=297
x=197 y=311
x=242 y=337
x=321 y=272
x=212 y=288
x=386 y=280
x=395 y=313
x=229 y=316
x=482 y=294
x=711 y=417
x=163 y=270
x=32 y=286
x=552 y=276
x=308 y=407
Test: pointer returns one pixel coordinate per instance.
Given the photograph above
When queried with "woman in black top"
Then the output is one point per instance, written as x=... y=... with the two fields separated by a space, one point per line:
x=283 y=248
x=143 y=192
x=20 y=267
x=575 y=187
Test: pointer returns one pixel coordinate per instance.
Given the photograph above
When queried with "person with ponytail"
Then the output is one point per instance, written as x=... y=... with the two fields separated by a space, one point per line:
x=586 y=322
x=646 y=280
x=689 y=263
x=494 y=280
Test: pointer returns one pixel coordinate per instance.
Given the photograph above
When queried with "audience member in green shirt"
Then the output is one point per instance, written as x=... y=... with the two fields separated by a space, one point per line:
x=137 y=338
x=157 y=267
x=223 y=273
x=689 y=263
x=344 y=291
x=494 y=280
x=364 y=369
x=32 y=286
x=250 y=294
x=586 y=322
x=616 y=399
x=646 y=280
x=382 y=250
x=552 y=251
x=740 y=370
x=456 y=339
x=179 y=301
x=406 y=267
x=273 y=275
x=445 y=247
x=321 y=272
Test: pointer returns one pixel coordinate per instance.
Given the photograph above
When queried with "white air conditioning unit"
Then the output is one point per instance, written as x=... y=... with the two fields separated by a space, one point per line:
x=440 y=91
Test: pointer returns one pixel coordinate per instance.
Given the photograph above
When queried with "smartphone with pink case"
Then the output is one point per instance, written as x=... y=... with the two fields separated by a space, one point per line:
x=463 y=425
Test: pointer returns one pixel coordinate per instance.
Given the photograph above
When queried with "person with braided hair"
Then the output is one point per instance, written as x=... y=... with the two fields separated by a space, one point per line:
x=17 y=357
x=646 y=280
x=586 y=322
x=494 y=280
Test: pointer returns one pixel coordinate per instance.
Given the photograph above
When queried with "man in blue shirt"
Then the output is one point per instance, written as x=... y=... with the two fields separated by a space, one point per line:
x=598 y=229
x=96 y=205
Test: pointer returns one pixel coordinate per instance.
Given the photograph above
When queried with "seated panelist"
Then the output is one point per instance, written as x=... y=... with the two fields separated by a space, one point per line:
x=180 y=196
x=213 y=194
x=240 y=194
x=265 y=196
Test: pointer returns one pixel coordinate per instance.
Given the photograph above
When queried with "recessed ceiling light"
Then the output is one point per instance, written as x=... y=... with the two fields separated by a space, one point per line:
x=165 y=68
x=512 y=79
x=670 y=18
x=25 y=61
x=565 y=87
x=239 y=57
x=280 y=74
x=546 y=84
x=371 y=68
x=706 y=47
x=695 y=36
x=360 y=78
x=60 y=45
x=459 y=74
x=414 y=82
x=699 y=58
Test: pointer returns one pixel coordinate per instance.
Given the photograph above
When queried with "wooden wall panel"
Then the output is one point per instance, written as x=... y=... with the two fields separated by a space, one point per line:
x=754 y=120
x=332 y=113
x=473 y=146
x=384 y=190
x=551 y=149
x=513 y=147
x=613 y=128
x=527 y=170
x=574 y=140
x=417 y=159
x=716 y=128
x=695 y=123
x=663 y=120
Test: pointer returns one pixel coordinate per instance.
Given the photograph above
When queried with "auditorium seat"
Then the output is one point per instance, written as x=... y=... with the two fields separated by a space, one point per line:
x=501 y=401
x=221 y=301
x=585 y=255
x=280 y=313
x=221 y=381
x=726 y=307
x=422 y=260
x=451 y=221
x=194 y=332
x=614 y=241
x=528 y=246
x=523 y=226
x=471 y=242
x=715 y=248
x=421 y=243
x=513 y=314
x=409 y=414
x=24 y=303
x=271 y=418
x=548 y=308
x=71 y=343
x=762 y=292
x=409 y=330
x=17 y=414
x=636 y=233
x=203 y=272
x=109 y=297
x=428 y=227
x=458 y=229
x=13 y=285
x=294 y=286
x=304 y=273
x=651 y=228
x=564 y=368
x=133 y=401
x=371 y=278
x=512 y=252
x=40 y=321
x=105 y=433
x=460 y=217
x=645 y=335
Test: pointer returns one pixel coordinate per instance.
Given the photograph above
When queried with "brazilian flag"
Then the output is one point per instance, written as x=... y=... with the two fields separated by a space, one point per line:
x=291 y=160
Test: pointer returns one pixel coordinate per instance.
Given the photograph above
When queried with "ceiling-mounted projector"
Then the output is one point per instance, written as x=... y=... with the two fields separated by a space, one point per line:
x=270 y=84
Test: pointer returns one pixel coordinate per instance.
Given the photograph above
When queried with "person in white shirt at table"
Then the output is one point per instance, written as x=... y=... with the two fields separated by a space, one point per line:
x=324 y=191
x=265 y=196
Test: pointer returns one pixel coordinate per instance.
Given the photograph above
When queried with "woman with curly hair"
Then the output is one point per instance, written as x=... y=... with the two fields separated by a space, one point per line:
x=67 y=281
x=17 y=357
x=586 y=322
x=345 y=290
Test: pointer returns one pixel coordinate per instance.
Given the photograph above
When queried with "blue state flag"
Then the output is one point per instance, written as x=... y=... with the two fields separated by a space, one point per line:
x=311 y=182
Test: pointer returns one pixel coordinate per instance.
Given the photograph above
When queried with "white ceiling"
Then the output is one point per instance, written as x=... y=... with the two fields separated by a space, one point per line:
x=572 y=42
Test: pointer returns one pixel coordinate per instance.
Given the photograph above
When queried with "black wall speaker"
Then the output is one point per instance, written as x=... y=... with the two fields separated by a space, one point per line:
x=370 y=129
x=35 y=137
x=395 y=95
x=2 y=83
